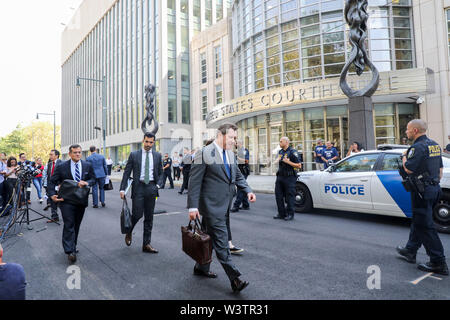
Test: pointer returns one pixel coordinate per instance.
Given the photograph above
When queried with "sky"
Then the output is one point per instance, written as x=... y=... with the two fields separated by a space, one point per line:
x=30 y=59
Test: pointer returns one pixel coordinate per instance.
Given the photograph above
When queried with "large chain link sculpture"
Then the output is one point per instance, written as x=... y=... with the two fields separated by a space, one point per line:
x=150 y=93
x=356 y=17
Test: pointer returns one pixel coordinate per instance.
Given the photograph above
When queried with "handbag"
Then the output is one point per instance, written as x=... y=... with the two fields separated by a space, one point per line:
x=73 y=194
x=108 y=184
x=126 y=224
x=196 y=243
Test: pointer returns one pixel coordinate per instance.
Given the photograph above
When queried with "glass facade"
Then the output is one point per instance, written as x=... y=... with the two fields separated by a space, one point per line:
x=261 y=134
x=448 y=30
x=279 y=42
x=124 y=46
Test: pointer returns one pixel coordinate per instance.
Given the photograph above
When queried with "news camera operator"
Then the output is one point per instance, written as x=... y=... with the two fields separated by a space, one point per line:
x=422 y=171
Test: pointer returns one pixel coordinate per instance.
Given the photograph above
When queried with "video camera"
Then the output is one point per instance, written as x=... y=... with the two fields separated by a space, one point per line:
x=27 y=170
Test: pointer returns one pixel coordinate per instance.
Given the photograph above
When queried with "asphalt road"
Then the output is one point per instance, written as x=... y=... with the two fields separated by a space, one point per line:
x=319 y=255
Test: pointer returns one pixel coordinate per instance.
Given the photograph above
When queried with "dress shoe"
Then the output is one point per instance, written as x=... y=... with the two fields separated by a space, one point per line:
x=47 y=207
x=278 y=217
x=288 y=218
x=103 y=204
x=435 y=268
x=171 y=188
x=128 y=239
x=180 y=192
x=234 y=210
x=149 y=249
x=72 y=257
x=41 y=200
x=95 y=206
x=238 y=285
x=53 y=220
x=245 y=208
x=236 y=250
x=29 y=201
x=208 y=274
x=405 y=253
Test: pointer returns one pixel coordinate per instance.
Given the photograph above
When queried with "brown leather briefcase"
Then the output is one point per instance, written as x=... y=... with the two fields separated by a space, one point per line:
x=196 y=243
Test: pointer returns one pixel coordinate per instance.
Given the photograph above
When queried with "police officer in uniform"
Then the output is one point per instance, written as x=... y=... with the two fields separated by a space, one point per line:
x=423 y=165
x=167 y=166
x=288 y=159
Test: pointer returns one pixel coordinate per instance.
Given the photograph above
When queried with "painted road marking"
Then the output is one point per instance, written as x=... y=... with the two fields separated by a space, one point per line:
x=428 y=275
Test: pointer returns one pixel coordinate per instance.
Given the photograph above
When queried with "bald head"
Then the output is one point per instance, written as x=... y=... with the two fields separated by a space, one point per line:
x=416 y=128
x=284 y=143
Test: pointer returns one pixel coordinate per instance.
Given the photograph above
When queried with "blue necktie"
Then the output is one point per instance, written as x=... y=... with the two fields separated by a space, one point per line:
x=227 y=166
x=77 y=173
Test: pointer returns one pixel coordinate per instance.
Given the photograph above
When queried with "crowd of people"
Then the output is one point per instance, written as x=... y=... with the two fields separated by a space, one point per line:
x=150 y=172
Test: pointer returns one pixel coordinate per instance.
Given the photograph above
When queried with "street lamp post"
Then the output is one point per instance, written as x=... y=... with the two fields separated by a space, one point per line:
x=103 y=81
x=54 y=124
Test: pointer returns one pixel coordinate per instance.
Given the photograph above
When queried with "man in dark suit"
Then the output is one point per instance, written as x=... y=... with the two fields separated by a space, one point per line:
x=49 y=172
x=147 y=168
x=98 y=163
x=82 y=172
x=185 y=169
x=212 y=186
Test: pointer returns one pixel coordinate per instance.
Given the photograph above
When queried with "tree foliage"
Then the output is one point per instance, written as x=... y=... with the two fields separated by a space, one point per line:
x=36 y=140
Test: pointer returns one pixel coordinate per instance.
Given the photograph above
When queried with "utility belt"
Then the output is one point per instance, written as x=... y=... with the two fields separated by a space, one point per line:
x=418 y=183
x=289 y=173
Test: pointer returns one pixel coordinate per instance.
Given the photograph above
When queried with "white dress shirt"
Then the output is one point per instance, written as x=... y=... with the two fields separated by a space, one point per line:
x=72 y=169
x=150 y=157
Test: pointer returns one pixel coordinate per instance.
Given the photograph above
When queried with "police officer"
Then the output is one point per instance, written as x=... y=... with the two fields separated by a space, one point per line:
x=423 y=163
x=243 y=157
x=167 y=166
x=288 y=160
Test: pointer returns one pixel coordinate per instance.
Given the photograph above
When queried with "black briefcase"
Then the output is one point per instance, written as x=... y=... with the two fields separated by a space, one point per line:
x=73 y=194
x=126 y=224
x=109 y=186
x=196 y=243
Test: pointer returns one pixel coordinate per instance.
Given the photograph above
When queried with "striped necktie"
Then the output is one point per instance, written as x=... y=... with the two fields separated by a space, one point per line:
x=77 y=173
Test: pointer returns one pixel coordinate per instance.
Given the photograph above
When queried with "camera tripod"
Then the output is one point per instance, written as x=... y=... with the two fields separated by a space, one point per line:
x=23 y=215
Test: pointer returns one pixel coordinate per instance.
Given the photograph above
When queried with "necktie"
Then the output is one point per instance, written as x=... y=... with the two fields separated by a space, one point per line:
x=225 y=162
x=77 y=173
x=147 y=169
x=53 y=168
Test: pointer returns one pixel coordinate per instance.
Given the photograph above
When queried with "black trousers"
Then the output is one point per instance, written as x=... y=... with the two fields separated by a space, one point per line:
x=144 y=198
x=167 y=174
x=241 y=198
x=53 y=206
x=4 y=194
x=176 y=173
x=185 y=180
x=10 y=185
x=217 y=230
x=72 y=216
x=285 y=193
x=423 y=230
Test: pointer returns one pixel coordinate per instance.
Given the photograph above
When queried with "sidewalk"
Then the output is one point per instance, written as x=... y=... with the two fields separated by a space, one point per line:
x=259 y=184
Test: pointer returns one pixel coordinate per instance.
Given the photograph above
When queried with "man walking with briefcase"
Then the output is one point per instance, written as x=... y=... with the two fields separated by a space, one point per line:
x=72 y=208
x=212 y=184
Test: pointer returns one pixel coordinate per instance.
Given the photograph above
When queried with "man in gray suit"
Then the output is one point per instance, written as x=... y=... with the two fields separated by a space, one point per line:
x=212 y=186
x=147 y=168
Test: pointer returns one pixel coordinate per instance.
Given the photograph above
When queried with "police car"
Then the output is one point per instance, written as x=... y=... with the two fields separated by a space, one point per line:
x=368 y=182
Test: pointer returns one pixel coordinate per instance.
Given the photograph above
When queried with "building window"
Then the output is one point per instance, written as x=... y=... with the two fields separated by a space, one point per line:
x=448 y=30
x=208 y=13
x=204 y=104
x=203 y=67
x=218 y=60
x=219 y=10
x=172 y=108
x=219 y=94
x=185 y=110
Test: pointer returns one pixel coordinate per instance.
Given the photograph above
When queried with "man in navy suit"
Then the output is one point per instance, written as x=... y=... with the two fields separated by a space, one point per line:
x=82 y=172
x=98 y=163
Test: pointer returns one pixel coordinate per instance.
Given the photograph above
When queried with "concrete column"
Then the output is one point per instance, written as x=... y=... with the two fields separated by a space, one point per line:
x=361 y=127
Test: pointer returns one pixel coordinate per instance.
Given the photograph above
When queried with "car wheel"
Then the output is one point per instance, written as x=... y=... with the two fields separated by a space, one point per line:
x=303 y=199
x=441 y=217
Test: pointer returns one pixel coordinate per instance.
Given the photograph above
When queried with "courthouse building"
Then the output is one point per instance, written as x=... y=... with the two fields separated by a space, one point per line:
x=132 y=43
x=286 y=57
